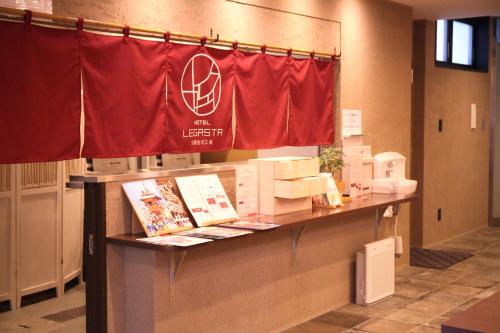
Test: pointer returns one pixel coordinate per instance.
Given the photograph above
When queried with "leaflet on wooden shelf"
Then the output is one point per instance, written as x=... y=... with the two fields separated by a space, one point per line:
x=332 y=197
x=250 y=225
x=214 y=232
x=157 y=215
x=174 y=240
x=206 y=199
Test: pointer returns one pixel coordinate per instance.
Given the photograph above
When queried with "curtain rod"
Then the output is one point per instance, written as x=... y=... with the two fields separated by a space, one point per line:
x=92 y=25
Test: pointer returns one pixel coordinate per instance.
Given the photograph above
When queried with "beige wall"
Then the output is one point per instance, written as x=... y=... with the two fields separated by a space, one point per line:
x=456 y=161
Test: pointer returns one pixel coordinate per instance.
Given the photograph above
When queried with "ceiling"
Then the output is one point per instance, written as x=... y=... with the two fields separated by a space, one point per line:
x=433 y=9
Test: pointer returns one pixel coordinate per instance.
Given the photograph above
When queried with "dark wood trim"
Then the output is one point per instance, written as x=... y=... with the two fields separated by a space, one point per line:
x=493 y=110
x=94 y=254
x=417 y=129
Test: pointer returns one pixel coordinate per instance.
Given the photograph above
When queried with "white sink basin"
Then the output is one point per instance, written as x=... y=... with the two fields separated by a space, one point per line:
x=390 y=186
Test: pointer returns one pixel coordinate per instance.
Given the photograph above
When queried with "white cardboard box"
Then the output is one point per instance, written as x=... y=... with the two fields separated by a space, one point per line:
x=292 y=189
x=283 y=168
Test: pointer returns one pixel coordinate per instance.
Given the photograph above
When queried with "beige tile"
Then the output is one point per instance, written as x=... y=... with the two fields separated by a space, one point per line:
x=485 y=263
x=411 y=291
x=69 y=330
x=454 y=312
x=440 y=275
x=314 y=327
x=341 y=319
x=386 y=326
x=426 y=329
x=430 y=285
x=453 y=289
x=390 y=305
x=446 y=298
x=476 y=281
x=410 y=271
x=380 y=309
x=431 y=308
x=410 y=316
x=465 y=265
x=491 y=273
x=437 y=322
x=29 y=325
x=487 y=293
x=470 y=303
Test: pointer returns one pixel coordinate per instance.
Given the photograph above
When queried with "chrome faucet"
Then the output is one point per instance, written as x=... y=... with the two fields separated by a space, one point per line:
x=390 y=168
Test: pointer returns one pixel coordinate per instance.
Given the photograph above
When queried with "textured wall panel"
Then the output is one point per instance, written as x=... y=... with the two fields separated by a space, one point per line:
x=5 y=177
x=35 y=175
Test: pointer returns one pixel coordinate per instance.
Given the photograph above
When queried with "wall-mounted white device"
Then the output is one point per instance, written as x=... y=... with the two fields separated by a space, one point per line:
x=389 y=174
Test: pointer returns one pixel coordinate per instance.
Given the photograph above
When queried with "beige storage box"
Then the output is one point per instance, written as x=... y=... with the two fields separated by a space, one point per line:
x=282 y=187
x=288 y=167
x=292 y=189
x=317 y=185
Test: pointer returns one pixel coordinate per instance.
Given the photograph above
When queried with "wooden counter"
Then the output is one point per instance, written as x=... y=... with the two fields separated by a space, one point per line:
x=266 y=281
x=372 y=202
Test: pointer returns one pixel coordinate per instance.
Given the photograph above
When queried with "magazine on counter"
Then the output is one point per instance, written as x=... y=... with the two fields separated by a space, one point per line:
x=206 y=199
x=332 y=197
x=174 y=240
x=250 y=225
x=214 y=232
x=153 y=210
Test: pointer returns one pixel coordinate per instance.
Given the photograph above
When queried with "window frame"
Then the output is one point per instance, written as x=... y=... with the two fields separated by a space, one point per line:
x=480 y=46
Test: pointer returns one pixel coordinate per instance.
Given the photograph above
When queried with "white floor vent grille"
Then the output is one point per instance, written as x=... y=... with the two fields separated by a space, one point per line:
x=375 y=272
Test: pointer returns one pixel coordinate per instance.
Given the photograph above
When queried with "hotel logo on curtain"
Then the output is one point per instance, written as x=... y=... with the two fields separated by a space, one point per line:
x=199 y=111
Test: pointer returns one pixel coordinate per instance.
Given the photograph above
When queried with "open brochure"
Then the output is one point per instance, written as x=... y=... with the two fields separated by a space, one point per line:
x=157 y=215
x=214 y=232
x=250 y=225
x=174 y=240
x=206 y=199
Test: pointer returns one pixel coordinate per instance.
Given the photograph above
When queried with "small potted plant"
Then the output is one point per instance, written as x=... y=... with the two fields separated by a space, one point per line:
x=331 y=160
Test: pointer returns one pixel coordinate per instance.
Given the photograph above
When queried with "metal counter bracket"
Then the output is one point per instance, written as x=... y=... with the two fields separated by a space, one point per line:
x=296 y=236
x=379 y=215
x=176 y=259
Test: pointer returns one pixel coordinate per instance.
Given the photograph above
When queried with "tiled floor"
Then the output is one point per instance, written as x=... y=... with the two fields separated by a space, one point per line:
x=31 y=318
x=424 y=297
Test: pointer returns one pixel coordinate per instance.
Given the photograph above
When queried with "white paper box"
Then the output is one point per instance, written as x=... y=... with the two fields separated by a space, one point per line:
x=318 y=185
x=284 y=169
x=292 y=189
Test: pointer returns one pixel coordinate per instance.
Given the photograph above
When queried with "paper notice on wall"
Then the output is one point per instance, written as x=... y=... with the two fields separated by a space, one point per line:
x=351 y=122
x=247 y=190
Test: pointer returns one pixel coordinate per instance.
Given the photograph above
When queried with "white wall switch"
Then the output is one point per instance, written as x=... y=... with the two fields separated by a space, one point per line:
x=473 y=116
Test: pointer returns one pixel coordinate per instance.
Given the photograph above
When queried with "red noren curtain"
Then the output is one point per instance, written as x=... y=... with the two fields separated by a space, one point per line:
x=261 y=100
x=311 y=102
x=39 y=94
x=124 y=96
